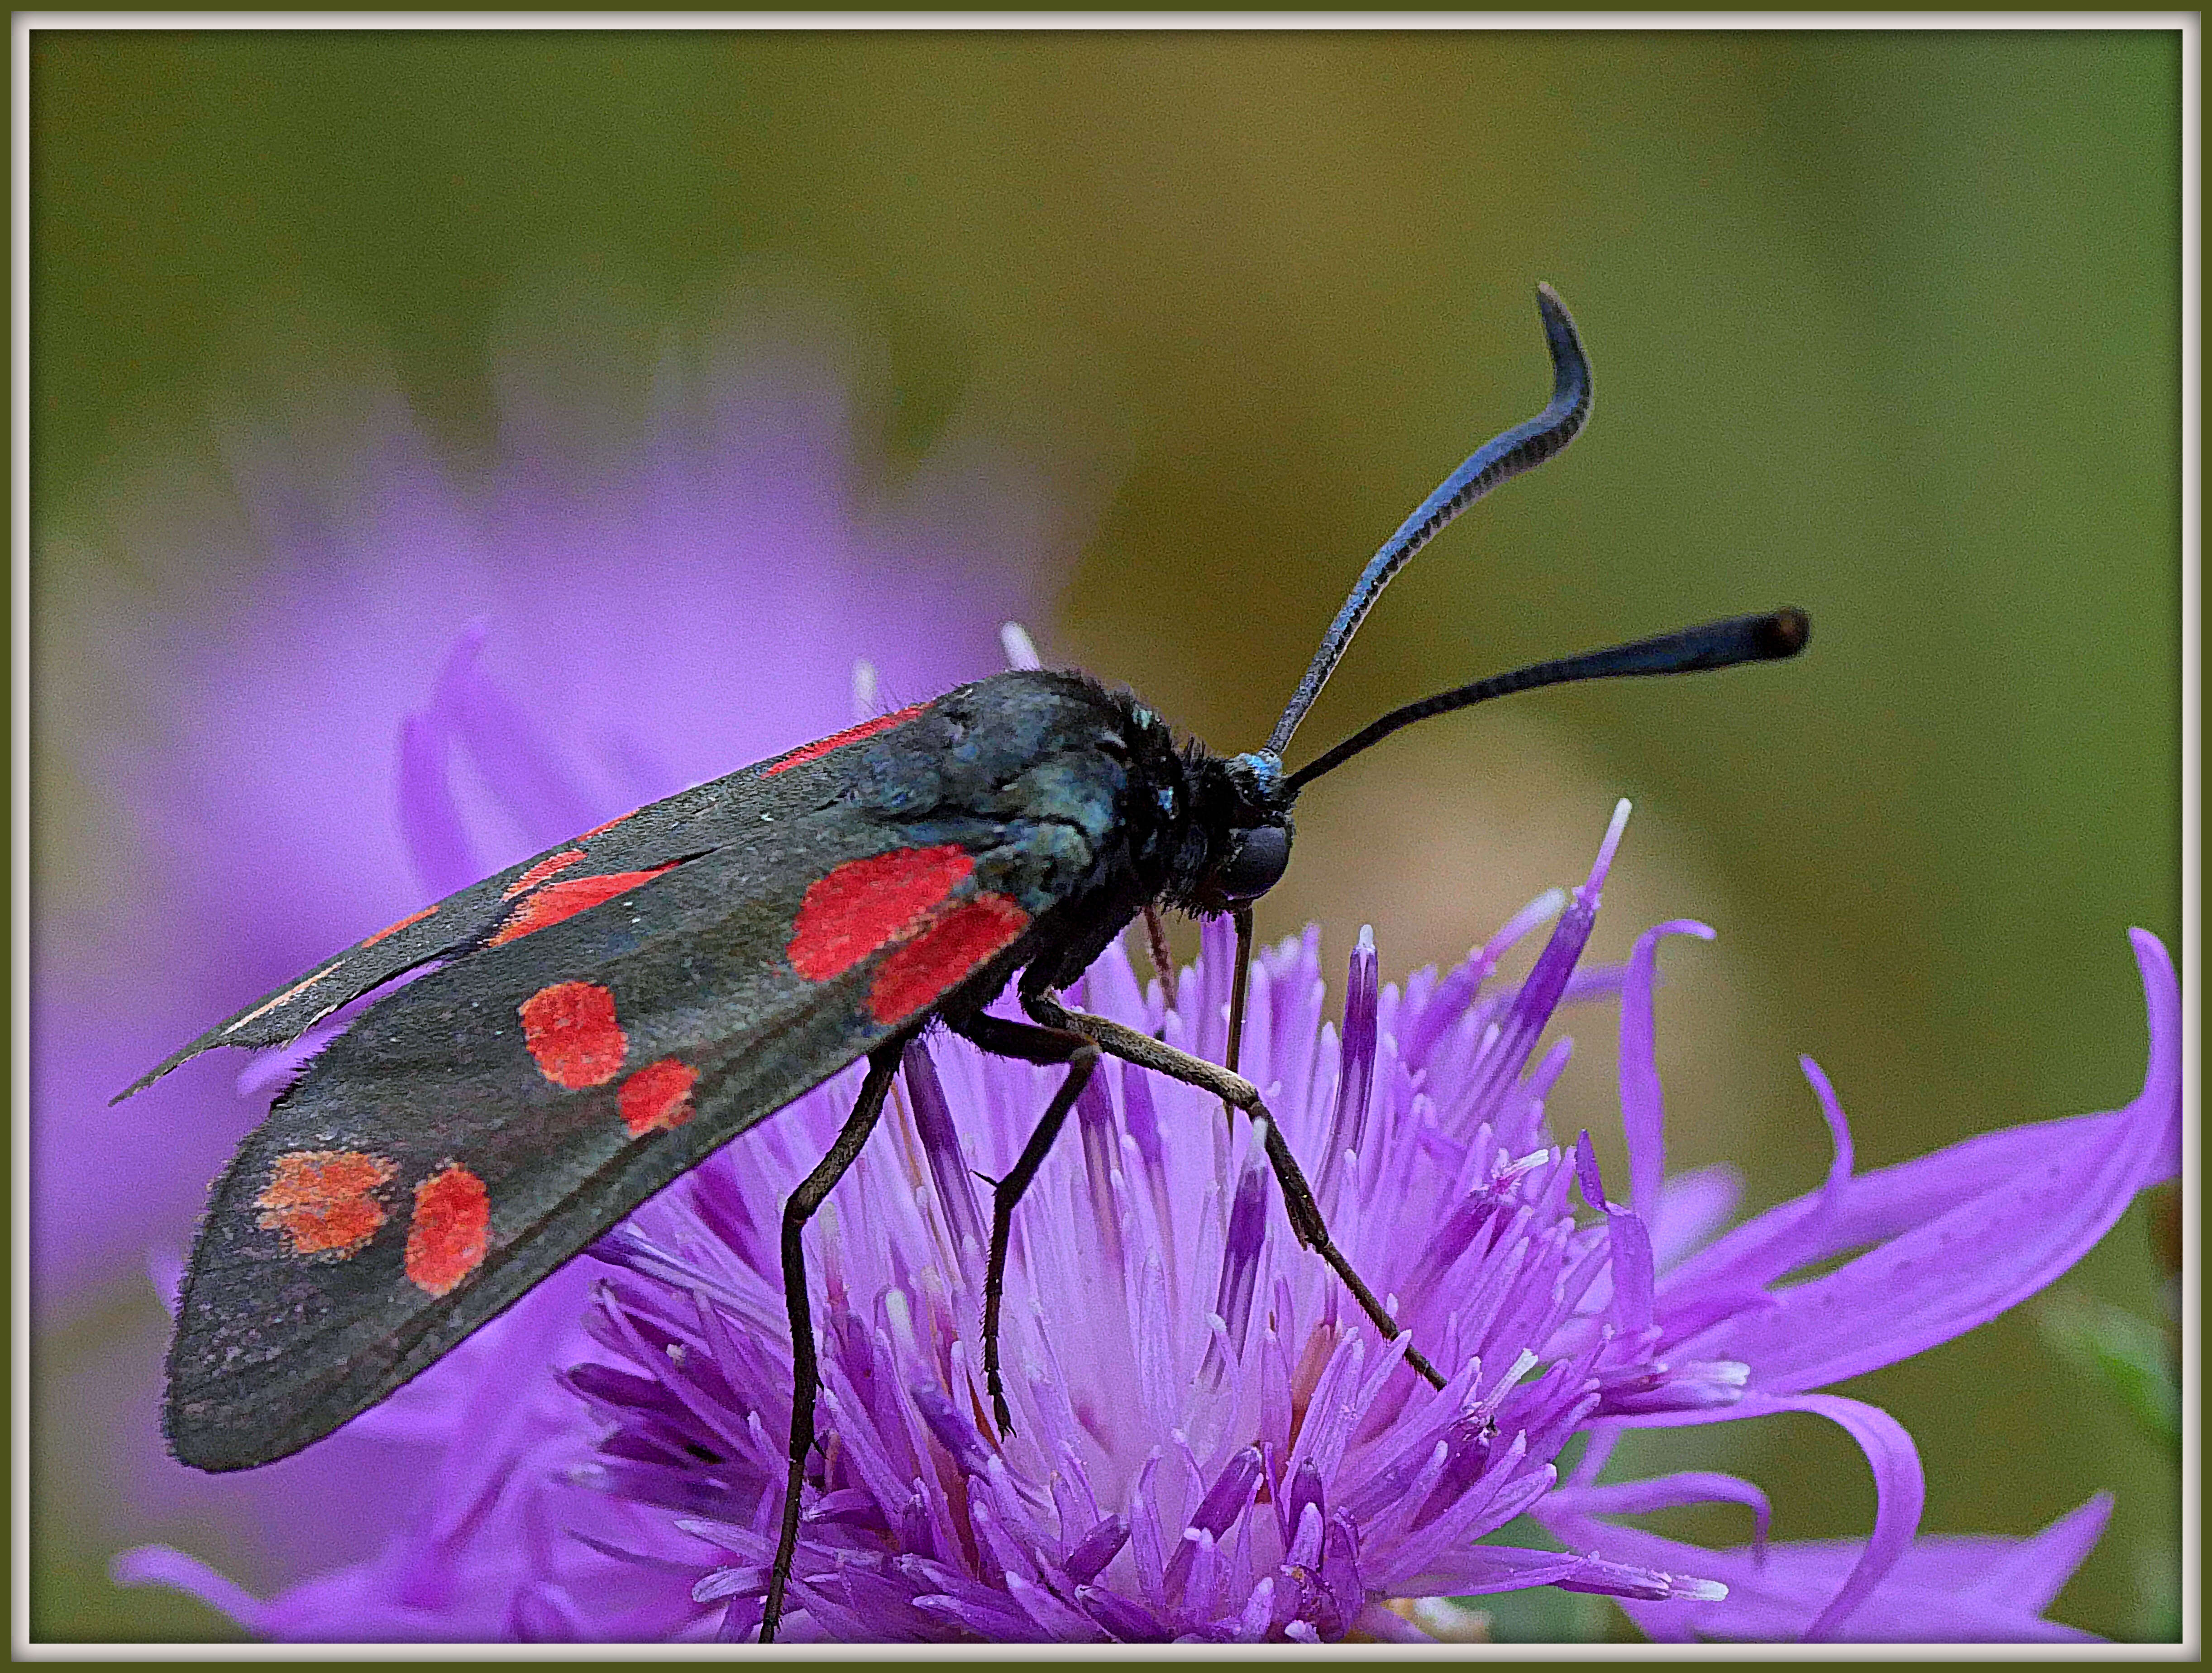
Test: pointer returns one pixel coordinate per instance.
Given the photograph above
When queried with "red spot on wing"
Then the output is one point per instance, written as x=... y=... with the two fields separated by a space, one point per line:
x=320 y=1200
x=822 y=746
x=658 y=1096
x=930 y=966
x=570 y=1028
x=865 y=904
x=608 y=826
x=391 y=930
x=539 y=872
x=565 y=899
x=451 y=1229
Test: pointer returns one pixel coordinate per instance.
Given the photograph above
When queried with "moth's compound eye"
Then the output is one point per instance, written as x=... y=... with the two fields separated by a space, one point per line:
x=1257 y=863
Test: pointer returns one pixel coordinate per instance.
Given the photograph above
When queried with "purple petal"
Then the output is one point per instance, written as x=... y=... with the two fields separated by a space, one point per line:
x=1586 y=1173
x=1125 y=1618
x=1096 y=1550
x=518 y=762
x=2029 y=1572
x=1094 y=1122
x=1642 y=1112
x=1842 y=1154
x=2162 y=1076
x=1946 y=1589
x=160 y=1564
x=940 y=1143
x=1488 y=1568
x=1348 y=1121
x=1899 y=1487
x=1539 y=995
x=429 y=819
x=1240 y=1254
x=1969 y=1231
x=1632 y=1271
x=1657 y=1493
x=1444 y=1006
x=1692 y=1207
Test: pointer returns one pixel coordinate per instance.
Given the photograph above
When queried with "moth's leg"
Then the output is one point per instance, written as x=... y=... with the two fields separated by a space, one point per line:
x=1147 y=1053
x=805 y=1373
x=1156 y=942
x=1239 y=987
x=1006 y=1038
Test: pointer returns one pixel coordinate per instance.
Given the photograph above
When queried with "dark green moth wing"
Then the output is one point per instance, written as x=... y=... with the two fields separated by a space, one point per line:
x=474 y=1129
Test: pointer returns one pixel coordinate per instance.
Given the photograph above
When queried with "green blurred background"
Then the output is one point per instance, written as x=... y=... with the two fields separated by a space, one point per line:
x=1886 y=326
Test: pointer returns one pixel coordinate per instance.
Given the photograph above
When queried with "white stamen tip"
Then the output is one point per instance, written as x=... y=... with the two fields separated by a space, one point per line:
x=1620 y=811
x=864 y=689
x=1021 y=650
x=1367 y=938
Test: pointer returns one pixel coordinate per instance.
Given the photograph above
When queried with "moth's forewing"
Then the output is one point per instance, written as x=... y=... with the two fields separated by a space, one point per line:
x=739 y=808
x=735 y=947
x=479 y=1127
x=311 y=1291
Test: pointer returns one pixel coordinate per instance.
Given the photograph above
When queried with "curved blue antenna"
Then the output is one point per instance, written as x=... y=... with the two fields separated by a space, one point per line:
x=1521 y=448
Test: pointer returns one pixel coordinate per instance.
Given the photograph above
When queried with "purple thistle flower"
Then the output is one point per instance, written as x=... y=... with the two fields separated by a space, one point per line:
x=1211 y=1443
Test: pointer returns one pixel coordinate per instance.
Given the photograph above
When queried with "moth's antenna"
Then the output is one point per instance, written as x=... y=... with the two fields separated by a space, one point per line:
x=1519 y=449
x=1740 y=638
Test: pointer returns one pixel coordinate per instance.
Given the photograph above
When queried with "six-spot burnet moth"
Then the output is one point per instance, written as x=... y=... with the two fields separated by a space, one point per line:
x=602 y=1016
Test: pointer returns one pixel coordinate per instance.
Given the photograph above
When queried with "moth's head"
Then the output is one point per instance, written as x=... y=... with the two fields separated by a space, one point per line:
x=1250 y=845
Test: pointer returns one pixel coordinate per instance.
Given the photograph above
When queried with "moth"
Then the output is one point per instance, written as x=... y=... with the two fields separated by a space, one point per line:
x=602 y=1016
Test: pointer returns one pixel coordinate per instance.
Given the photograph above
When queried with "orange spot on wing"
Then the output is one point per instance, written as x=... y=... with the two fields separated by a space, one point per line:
x=320 y=1200
x=391 y=930
x=930 y=966
x=822 y=746
x=570 y=1028
x=658 y=1096
x=539 y=872
x=865 y=904
x=451 y=1230
x=558 y=901
x=608 y=826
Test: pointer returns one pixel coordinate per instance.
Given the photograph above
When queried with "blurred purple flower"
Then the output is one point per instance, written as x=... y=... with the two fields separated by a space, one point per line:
x=585 y=625
x=575 y=634
x=1210 y=1444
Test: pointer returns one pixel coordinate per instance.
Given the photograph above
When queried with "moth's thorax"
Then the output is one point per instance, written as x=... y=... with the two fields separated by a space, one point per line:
x=1184 y=809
